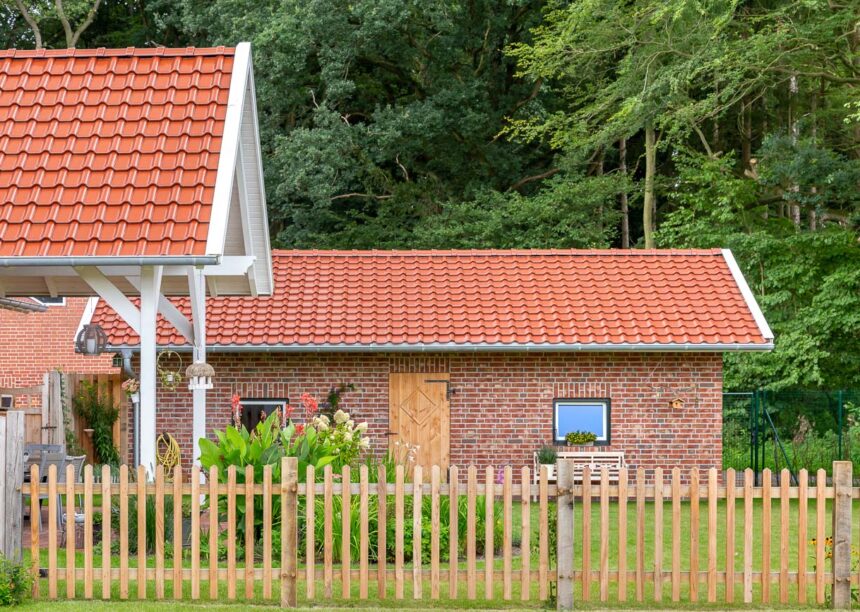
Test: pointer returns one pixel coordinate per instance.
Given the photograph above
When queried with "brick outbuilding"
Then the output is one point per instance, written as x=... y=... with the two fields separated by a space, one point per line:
x=484 y=356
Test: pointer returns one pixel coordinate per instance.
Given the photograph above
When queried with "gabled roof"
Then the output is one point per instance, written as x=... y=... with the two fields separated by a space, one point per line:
x=133 y=153
x=485 y=300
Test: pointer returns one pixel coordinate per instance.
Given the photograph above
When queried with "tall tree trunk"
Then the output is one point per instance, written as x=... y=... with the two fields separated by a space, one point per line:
x=649 y=200
x=746 y=135
x=625 y=211
x=794 y=132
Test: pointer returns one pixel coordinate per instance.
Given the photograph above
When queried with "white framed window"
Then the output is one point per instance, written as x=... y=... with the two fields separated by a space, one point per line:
x=256 y=410
x=590 y=414
x=46 y=300
x=6 y=402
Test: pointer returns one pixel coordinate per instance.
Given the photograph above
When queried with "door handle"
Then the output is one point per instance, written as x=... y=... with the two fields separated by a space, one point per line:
x=392 y=433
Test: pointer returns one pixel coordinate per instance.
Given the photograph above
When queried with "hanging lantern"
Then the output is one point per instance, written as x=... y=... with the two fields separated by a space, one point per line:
x=199 y=375
x=91 y=340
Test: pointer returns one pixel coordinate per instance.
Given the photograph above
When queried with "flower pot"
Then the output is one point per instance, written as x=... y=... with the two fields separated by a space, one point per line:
x=89 y=431
x=134 y=397
x=550 y=470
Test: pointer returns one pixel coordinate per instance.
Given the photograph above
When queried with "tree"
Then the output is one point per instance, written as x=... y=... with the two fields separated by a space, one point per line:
x=36 y=12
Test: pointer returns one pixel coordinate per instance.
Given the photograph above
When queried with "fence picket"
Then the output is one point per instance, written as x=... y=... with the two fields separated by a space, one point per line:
x=249 y=534
x=507 y=534
x=310 y=532
x=802 y=531
x=289 y=531
x=212 y=558
x=35 y=524
x=195 y=532
x=364 y=536
x=328 y=553
x=712 y=534
x=267 y=530
x=471 y=531
x=346 y=537
x=88 y=531
x=640 y=534
x=820 y=514
x=177 y=532
x=604 y=533
x=525 y=533
x=398 y=532
x=658 y=534
x=159 y=532
x=676 y=534
x=417 y=506
x=231 y=532
x=694 y=534
x=382 y=531
x=140 y=501
x=784 y=481
x=123 y=532
x=765 y=535
x=434 y=531
x=489 y=561
x=543 y=552
x=748 y=535
x=71 y=535
x=586 y=533
x=730 y=534
x=622 y=534
x=453 y=530
x=52 y=531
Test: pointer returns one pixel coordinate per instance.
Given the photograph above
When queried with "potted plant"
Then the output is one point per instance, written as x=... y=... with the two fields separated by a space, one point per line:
x=546 y=455
x=580 y=438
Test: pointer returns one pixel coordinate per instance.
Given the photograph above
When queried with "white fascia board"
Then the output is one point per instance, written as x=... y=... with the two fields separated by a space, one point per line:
x=229 y=148
x=264 y=258
x=478 y=348
x=747 y=294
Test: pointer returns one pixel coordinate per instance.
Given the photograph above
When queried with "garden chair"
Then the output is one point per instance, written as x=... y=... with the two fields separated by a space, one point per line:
x=47 y=459
x=78 y=465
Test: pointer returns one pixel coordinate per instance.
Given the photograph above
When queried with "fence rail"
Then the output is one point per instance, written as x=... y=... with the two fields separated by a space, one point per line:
x=679 y=535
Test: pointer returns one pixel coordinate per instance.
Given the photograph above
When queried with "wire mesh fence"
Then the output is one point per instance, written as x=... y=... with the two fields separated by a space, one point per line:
x=793 y=429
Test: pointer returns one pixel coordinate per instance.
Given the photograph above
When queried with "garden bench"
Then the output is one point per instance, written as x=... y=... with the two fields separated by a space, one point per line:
x=596 y=460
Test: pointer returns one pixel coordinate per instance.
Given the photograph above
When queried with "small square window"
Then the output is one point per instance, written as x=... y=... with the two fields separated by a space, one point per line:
x=46 y=300
x=581 y=415
x=254 y=411
x=6 y=402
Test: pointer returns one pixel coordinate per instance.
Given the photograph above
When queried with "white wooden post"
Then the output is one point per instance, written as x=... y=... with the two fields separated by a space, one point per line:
x=11 y=481
x=842 y=535
x=197 y=294
x=150 y=286
x=564 y=535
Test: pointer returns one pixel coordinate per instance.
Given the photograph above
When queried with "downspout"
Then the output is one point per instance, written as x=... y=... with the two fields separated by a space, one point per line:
x=135 y=402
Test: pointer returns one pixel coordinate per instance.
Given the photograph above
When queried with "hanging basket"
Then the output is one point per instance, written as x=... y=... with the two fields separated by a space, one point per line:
x=170 y=379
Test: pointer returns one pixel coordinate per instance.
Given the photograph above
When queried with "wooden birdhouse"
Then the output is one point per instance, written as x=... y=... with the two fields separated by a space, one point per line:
x=676 y=403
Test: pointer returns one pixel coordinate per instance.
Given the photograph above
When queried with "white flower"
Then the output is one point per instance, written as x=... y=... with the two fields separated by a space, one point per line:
x=340 y=417
x=347 y=436
x=350 y=424
x=364 y=443
x=362 y=427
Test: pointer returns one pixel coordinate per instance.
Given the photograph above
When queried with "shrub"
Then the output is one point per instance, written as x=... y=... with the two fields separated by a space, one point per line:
x=546 y=455
x=99 y=412
x=580 y=437
x=15 y=582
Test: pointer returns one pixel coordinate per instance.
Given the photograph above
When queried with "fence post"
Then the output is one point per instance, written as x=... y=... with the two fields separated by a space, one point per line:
x=289 y=531
x=842 y=483
x=11 y=483
x=564 y=534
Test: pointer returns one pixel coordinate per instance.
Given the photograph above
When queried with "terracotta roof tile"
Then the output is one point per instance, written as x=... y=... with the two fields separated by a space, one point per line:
x=99 y=148
x=355 y=298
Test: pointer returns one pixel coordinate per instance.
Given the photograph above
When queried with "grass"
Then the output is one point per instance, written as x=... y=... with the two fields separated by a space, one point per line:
x=792 y=547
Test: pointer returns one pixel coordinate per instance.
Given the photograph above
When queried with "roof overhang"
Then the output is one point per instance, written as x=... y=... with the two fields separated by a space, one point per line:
x=471 y=348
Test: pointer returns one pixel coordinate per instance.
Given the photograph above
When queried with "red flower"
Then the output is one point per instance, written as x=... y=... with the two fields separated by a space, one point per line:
x=311 y=405
x=300 y=429
x=289 y=411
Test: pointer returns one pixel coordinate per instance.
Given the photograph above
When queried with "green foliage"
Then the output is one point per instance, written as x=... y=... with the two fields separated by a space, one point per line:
x=546 y=455
x=96 y=408
x=580 y=437
x=149 y=535
x=16 y=582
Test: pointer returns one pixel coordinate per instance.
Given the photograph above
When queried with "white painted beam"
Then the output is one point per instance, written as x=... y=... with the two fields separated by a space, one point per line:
x=150 y=285
x=169 y=311
x=113 y=296
x=197 y=293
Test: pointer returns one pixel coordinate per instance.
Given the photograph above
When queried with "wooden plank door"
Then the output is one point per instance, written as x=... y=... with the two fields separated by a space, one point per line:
x=419 y=415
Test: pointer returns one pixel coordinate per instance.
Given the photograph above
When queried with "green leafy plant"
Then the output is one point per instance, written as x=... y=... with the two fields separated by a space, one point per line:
x=15 y=582
x=546 y=455
x=95 y=407
x=580 y=437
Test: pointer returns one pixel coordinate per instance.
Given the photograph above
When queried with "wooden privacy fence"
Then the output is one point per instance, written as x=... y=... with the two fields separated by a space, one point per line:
x=680 y=536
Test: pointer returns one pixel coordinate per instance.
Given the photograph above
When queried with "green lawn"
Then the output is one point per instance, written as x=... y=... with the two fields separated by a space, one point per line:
x=685 y=540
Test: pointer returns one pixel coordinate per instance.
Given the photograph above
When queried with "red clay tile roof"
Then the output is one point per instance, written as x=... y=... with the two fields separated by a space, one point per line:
x=354 y=299
x=110 y=151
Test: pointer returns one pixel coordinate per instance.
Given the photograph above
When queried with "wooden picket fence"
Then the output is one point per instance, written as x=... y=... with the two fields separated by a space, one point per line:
x=153 y=577
x=660 y=536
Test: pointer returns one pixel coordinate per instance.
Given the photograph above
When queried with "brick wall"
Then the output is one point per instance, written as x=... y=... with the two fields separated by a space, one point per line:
x=502 y=408
x=33 y=343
